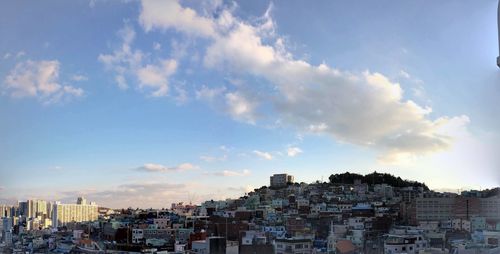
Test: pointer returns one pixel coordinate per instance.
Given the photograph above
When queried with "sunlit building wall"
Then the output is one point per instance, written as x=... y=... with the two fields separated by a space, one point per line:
x=66 y=213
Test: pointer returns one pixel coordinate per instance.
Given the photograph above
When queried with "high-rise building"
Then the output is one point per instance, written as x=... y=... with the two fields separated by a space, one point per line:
x=5 y=211
x=66 y=213
x=81 y=201
x=33 y=208
x=23 y=208
x=445 y=206
x=490 y=207
x=434 y=208
x=281 y=180
x=38 y=208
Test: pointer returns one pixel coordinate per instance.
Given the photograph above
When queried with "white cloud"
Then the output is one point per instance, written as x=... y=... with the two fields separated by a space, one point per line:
x=231 y=173
x=170 y=14
x=139 y=194
x=222 y=155
x=240 y=107
x=263 y=155
x=207 y=158
x=293 y=151
x=129 y=63
x=20 y=54
x=6 y=56
x=79 y=77
x=243 y=189
x=156 y=46
x=209 y=94
x=365 y=109
x=404 y=74
x=39 y=79
x=181 y=96
x=124 y=61
x=152 y=167
x=76 y=92
x=156 y=76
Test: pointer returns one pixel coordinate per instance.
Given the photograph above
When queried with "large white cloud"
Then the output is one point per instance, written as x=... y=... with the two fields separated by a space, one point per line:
x=130 y=65
x=366 y=109
x=170 y=14
x=39 y=79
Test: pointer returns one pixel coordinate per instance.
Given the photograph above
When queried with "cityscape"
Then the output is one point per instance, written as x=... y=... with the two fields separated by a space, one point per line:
x=351 y=213
x=250 y=127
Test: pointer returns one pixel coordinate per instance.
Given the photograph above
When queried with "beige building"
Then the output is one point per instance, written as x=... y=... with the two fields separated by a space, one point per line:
x=66 y=213
x=446 y=207
x=434 y=208
x=490 y=207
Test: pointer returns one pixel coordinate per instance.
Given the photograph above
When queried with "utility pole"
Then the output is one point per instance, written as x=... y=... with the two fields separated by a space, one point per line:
x=498 y=17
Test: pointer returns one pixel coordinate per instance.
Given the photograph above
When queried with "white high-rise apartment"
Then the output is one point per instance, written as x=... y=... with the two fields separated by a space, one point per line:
x=66 y=213
x=33 y=208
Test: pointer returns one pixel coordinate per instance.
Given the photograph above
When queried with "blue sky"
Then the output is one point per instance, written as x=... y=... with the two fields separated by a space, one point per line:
x=147 y=103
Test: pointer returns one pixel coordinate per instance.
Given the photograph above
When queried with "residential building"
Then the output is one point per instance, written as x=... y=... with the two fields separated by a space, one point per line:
x=408 y=244
x=66 y=213
x=293 y=246
x=281 y=180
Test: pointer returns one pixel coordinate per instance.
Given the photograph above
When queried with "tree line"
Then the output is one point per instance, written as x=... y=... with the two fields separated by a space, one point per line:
x=374 y=178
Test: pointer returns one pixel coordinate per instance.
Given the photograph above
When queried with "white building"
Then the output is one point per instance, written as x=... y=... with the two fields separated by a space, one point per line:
x=66 y=213
x=137 y=235
x=408 y=244
x=5 y=211
x=460 y=224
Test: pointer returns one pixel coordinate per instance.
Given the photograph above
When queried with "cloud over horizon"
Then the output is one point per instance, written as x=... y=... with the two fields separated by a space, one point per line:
x=364 y=109
x=152 y=167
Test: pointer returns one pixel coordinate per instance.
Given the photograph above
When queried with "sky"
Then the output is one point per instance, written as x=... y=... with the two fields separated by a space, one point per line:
x=142 y=104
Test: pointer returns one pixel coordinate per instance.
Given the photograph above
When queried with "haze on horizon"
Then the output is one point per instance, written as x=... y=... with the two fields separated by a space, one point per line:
x=146 y=103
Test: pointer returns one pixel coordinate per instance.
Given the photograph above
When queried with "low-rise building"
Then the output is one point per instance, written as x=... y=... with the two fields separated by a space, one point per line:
x=293 y=246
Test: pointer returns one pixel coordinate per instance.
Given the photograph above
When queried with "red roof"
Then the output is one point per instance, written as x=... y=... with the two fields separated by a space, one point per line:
x=345 y=246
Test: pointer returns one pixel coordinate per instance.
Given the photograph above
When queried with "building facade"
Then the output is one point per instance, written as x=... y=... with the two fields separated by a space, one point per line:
x=66 y=213
x=281 y=180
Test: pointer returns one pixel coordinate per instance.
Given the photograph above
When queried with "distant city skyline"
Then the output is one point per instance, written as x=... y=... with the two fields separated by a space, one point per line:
x=148 y=103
